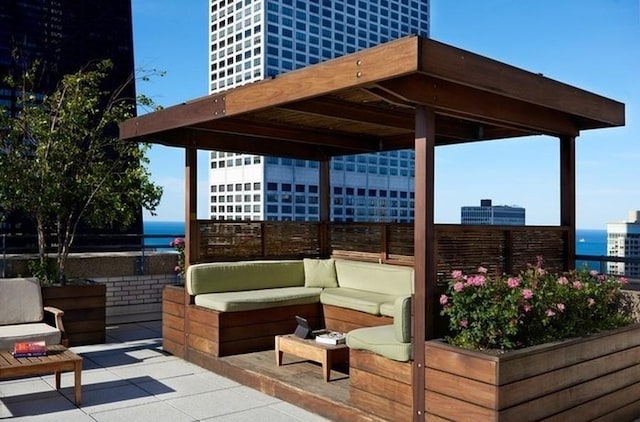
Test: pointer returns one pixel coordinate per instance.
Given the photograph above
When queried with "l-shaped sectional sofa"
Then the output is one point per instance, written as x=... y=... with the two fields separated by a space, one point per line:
x=239 y=307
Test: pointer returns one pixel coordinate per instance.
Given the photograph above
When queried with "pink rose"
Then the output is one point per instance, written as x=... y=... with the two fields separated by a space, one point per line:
x=456 y=274
x=593 y=273
x=563 y=280
x=482 y=270
x=444 y=300
x=578 y=285
x=458 y=286
x=513 y=282
x=550 y=313
x=464 y=323
x=591 y=301
x=527 y=294
x=560 y=307
x=527 y=307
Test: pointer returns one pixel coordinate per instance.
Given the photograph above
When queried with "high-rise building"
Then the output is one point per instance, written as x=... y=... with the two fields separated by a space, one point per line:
x=623 y=240
x=63 y=36
x=251 y=40
x=487 y=213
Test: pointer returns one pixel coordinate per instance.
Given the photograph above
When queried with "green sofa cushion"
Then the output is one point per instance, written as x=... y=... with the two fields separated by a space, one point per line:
x=381 y=278
x=380 y=340
x=319 y=273
x=387 y=309
x=402 y=319
x=218 y=277
x=358 y=300
x=249 y=300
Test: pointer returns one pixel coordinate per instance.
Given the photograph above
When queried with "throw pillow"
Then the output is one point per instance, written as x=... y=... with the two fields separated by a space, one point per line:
x=319 y=273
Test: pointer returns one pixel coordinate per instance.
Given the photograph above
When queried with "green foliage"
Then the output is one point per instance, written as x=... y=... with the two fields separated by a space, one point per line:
x=502 y=312
x=63 y=163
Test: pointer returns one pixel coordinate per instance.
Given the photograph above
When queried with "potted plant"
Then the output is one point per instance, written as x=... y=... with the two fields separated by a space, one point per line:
x=534 y=345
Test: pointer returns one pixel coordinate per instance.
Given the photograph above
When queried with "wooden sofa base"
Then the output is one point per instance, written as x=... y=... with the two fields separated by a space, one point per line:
x=380 y=385
x=345 y=320
x=230 y=333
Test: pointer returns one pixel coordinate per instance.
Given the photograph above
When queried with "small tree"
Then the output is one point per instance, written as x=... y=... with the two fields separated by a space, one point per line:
x=62 y=161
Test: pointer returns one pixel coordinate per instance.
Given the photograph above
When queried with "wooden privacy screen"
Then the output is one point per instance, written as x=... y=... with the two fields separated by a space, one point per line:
x=507 y=249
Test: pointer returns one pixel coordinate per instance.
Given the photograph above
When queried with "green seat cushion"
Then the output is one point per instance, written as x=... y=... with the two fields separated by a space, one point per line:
x=358 y=300
x=319 y=273
x=381 y=278
x=379 y=340
x=249 y=300
x=217 y=277
x=387 y=309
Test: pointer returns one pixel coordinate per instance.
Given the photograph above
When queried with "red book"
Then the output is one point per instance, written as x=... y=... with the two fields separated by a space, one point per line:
x=29 y=349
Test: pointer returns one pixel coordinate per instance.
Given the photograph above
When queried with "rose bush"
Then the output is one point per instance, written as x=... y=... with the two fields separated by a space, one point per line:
x=509 y=312
x=178 y=244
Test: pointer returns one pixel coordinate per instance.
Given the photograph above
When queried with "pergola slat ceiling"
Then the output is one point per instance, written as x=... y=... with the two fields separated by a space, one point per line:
x=365 y=101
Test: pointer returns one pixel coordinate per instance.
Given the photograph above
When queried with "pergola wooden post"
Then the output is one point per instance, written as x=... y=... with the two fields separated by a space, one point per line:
x=568 y=196
x=325 y=205
x=424 y=250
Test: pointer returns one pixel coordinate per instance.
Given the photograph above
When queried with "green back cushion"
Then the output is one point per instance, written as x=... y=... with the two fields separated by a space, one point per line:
x=379 y=278
x=402 y=319
x=319 y=273
x=218 y=277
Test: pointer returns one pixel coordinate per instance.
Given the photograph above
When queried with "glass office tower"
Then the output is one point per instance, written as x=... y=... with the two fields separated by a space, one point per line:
x=251 y=40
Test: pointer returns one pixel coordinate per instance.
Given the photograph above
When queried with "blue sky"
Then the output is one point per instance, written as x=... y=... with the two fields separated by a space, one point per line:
x=594 y=45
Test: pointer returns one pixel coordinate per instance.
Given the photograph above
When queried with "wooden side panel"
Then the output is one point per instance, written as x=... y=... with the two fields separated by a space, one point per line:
x=452 y=409
x=372 y=403
x=473 y=366
x=380 y=386
x=608 y=408
x=229 y=333
x=388 y=368
x=173 y=335
x=582 y=379
x=84 y=311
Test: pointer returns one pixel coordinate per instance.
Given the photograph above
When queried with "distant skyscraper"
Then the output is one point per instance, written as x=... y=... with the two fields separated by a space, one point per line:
x=623 y=240
x=256 y=39
x=64 y=36
x=499 y=215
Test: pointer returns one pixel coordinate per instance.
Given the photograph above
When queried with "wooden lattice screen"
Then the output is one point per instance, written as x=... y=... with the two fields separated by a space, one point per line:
x=459 y=247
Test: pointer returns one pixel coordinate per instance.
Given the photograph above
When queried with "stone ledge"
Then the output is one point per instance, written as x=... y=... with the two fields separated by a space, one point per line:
x=96 y=264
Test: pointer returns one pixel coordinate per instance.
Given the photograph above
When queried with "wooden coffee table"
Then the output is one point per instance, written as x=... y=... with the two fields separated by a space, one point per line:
x=324 y=354
x=58 y=359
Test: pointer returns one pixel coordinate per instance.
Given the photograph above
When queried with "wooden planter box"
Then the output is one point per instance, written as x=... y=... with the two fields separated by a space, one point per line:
x=579 y=379
x=84 y=309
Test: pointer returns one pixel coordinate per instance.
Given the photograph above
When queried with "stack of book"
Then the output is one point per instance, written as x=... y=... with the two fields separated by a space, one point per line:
x=331 y=337
x=29 y=349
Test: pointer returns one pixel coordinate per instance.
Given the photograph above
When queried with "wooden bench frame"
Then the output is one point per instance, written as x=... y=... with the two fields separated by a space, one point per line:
x=195 y=328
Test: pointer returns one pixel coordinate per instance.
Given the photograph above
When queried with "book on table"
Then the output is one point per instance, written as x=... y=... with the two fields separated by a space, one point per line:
x=332 y=337
x=27 y=349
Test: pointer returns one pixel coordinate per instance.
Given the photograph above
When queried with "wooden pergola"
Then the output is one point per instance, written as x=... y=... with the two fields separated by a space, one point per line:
x=411 y=93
